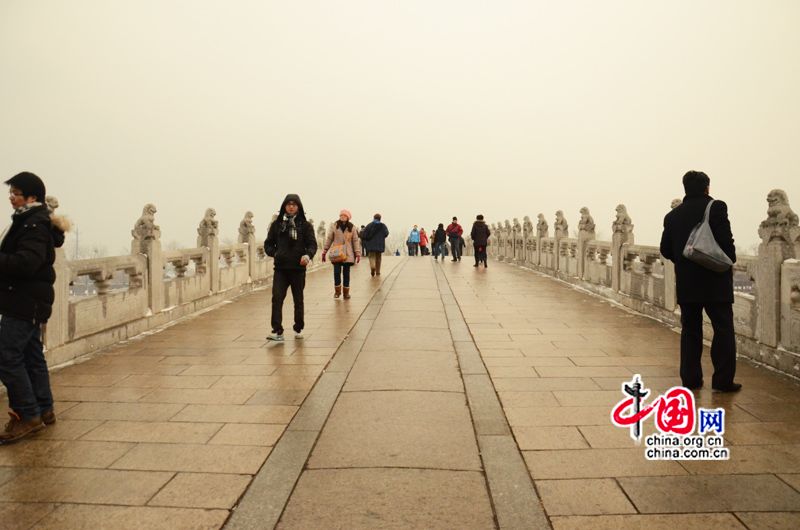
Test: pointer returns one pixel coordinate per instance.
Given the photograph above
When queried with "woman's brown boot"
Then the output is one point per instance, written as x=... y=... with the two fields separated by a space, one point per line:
x=337 y=291
x=346 y=293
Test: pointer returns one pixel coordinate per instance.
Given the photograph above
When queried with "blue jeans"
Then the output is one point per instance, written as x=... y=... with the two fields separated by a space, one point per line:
x=338 y=268
x=23 y=368
x=438 y=250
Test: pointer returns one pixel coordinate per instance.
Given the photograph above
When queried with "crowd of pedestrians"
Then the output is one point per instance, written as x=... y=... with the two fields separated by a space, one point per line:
x=27 y=254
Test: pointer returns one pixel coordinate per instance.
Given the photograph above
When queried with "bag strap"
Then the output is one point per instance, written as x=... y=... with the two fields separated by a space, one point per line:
x=708 y=211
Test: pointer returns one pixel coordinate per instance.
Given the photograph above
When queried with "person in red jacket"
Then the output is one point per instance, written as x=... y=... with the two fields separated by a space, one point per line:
x=423 y=242
x=454 y=232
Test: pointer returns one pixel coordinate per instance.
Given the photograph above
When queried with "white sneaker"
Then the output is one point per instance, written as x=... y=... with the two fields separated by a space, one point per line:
x=298 y=335
x=275 y=337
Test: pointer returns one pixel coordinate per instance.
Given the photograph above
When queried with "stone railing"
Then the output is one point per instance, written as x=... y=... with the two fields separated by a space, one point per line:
x=161 y=286
x=767 y=299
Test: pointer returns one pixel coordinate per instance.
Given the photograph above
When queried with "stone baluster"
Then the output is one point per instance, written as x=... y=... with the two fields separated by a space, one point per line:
x=622 y=230
x=57 y=328
x=147 y=240
x=586 y=233
x=780 y=240
x=247 y=235
x=207 y=236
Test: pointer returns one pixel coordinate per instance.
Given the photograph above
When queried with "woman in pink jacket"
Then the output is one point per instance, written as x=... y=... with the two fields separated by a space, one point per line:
x=345 y=248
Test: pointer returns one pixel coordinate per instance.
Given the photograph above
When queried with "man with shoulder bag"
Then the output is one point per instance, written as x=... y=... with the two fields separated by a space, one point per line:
x=697 y=238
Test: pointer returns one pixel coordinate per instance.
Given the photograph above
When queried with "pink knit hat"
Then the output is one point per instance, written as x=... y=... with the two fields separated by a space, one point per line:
x=347 y=213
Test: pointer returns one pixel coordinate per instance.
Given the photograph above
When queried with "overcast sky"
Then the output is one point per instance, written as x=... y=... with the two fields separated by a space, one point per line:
x=418 y=109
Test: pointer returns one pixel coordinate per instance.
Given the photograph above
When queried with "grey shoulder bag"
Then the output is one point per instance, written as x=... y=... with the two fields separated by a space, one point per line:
x=703 y=249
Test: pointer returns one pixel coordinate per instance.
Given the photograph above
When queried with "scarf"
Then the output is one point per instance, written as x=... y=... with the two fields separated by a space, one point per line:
x=291 y=226
x=19 y=211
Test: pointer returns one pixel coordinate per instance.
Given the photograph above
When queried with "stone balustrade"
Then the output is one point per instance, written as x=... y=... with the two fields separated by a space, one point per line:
x=162 y=285
x=767 y=305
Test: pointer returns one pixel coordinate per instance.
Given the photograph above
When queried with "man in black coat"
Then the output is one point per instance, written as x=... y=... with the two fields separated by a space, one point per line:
x=699 y=288
x=27 y=254
x=480 y=239
x=292 y=244
x=374 y=243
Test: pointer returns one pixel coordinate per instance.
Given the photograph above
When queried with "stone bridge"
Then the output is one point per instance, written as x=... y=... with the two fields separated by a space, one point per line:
x=439 y=396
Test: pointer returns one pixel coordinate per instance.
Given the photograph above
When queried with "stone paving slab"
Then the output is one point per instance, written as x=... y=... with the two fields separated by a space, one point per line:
x=557 y=358
x=398 y=429
x=389 y=498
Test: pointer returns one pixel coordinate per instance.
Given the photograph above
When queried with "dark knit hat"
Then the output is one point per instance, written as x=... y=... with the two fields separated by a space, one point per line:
x=29 y=184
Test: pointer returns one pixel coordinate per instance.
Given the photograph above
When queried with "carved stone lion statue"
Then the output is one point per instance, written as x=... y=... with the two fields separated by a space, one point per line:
x=146 y=227
x=586 y=224
x=246 y=228
x=622 y=224
x=780 y=218
x=517 y=228
x=561 y=227
x=527 y=226
x=542 y=228
x=209 y=227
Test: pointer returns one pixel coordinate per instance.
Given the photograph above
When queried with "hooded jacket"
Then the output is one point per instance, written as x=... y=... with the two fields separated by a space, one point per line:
x=480 y=234
x=27 y=254
x=279 y=243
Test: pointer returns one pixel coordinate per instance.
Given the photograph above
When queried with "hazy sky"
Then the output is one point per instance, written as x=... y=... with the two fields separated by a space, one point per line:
x=419 y=109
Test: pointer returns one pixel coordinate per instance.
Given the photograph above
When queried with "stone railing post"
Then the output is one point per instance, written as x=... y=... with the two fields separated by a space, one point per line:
x=560 y=231
x=780 y=236
x=247 y=235
x=147 y=240
x=207 y=237
x=154 y=274
x=57 y=328
x=56 y=331
x=670 y=289
x=586 y=233
x=622 y=229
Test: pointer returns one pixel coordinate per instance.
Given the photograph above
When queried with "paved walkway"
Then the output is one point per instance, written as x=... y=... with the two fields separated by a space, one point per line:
x=450 y=397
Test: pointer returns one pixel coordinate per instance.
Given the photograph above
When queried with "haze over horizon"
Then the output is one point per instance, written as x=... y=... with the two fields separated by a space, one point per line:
x=419 y=110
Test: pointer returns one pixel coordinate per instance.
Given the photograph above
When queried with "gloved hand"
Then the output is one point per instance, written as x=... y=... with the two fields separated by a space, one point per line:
x=358 y=259
x=323 y=256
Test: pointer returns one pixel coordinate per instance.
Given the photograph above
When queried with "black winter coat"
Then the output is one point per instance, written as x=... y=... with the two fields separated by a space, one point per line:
x=480 y=234
x=27 y=276
x=696 y=284
x=374 y=239
x=440 y=236
x=287 y=251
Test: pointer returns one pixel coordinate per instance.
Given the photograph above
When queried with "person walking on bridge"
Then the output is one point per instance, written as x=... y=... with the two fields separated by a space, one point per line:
x=344 y=248
x=374 y=242
x=292 y=244
x=480 y=240
x=423 y=242
x=413 y=241
x=27 y=254
x=439 y=242
x=454 y=232
x=699 y=288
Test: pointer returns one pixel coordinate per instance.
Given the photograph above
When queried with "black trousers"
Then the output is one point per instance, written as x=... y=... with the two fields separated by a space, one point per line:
x=282 y=280
x=723 y=345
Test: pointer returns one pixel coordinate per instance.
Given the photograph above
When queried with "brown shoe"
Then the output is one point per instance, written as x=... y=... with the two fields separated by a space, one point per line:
x=49 y=417
x=16 y=428
x=346 y=293
x=337 y=291
x=372 y=272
